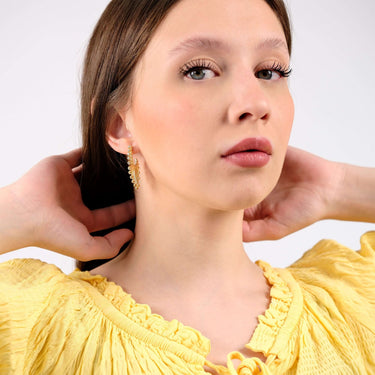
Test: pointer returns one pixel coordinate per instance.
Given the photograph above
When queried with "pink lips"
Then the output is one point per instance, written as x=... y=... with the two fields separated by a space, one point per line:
x=250 y=153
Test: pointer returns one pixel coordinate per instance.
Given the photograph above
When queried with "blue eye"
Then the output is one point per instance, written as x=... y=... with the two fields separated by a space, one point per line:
x=200 y=73
x=274 y=72
x=268 y=75
x=198 y=70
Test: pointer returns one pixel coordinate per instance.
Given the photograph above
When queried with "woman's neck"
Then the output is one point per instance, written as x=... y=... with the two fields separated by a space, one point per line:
x=184 y=249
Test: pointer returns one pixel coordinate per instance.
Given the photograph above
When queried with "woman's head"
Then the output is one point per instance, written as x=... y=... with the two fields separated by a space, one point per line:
x=142 y=85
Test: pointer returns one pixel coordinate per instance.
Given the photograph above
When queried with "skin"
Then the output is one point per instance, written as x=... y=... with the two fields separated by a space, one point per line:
x=188 y=261
x=52 y=215
x=179 y=128
x=187 y=125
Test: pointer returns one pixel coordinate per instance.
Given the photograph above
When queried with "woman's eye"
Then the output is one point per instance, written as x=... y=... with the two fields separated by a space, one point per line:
x=268 y=75
x=198 y=74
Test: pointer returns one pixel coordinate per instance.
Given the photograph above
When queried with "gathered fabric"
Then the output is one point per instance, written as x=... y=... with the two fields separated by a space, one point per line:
x=321 y=320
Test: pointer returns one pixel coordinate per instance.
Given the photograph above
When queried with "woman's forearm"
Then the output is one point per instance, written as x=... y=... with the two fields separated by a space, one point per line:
x=44 y=208
x=354 y=199
x=13 y=230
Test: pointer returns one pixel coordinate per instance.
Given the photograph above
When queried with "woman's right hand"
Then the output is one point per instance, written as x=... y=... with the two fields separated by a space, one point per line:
x=44 y=208
x=311 y=189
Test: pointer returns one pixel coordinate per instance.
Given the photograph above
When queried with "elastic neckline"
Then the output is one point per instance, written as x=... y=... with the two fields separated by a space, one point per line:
x=279 y=321
x=274 y=329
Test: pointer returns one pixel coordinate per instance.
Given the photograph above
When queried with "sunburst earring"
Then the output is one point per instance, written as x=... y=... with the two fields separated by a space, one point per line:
x=133 y=168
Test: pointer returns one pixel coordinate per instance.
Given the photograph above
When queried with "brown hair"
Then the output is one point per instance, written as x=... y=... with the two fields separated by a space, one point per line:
x=118 y=42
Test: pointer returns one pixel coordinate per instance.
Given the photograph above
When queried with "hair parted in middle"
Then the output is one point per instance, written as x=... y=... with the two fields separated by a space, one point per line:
x=118 y=42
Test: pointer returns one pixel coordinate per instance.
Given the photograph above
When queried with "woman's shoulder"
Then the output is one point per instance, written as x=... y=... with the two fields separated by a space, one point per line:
x=336 y=278
x=337 y=322
x=332 y=250
x=35 y=285
x=32 y=281
x=27 y=273
x=47 y=317
x=30 y=288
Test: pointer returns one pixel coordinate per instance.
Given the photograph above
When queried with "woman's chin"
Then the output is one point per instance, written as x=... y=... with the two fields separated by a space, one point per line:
x=238 y=203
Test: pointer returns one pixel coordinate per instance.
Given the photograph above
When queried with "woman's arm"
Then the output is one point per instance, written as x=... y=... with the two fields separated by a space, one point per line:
x=14 y=233
x=310 y=189
x=44 y=208
x=354 y=199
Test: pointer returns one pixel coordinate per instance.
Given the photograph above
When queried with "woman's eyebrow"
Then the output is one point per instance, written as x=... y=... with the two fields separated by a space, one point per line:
x=199 y=43
x=273 y=43
x=203 y=43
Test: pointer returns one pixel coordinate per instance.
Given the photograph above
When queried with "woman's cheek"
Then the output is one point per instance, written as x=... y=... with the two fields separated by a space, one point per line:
x=285 y=109
x=163 y=127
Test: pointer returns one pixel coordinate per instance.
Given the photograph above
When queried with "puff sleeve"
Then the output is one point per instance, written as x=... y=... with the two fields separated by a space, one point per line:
x=26 y=285
x=339 y=293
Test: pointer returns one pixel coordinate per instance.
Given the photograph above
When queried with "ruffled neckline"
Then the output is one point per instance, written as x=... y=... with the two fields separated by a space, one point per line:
x=273 y=330
x=280 y=320
x=142 y=315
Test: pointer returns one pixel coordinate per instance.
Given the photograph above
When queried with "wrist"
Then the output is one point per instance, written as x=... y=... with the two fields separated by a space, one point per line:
x=333 y=190
x=15 y=230
x=353 y=198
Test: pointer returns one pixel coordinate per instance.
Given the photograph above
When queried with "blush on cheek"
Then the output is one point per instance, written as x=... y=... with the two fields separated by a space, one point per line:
x=160 y=123
x=177 y=116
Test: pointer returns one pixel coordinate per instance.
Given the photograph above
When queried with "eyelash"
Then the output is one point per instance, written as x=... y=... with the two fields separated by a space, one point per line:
x=284 y=70
x=195 y=65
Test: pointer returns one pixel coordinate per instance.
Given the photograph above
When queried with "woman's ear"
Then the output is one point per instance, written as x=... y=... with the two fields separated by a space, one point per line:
x=118 y=135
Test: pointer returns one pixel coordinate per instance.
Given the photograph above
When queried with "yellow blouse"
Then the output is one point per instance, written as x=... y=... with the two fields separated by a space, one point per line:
x=321 y=320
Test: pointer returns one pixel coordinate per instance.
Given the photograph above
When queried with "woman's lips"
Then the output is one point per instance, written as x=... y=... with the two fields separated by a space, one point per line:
x=250 y=153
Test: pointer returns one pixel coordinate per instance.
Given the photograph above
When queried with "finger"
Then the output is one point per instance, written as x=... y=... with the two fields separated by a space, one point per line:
x=71 y=238
x=112 y=216
x=77 y=172
x=262 y=230
x=106 y=247
x=254 y=213
x=73 y=158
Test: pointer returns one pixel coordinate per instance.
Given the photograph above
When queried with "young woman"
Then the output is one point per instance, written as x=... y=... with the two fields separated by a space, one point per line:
x=196 y=95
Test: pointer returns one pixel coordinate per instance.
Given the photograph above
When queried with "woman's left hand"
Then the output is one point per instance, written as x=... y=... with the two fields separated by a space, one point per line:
x=301 y=197
x=44 y=208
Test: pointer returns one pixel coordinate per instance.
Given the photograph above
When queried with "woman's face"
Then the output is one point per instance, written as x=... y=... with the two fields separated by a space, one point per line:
x=212 y=77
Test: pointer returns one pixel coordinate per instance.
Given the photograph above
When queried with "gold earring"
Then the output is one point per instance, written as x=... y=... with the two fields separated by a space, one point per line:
x=133 y=168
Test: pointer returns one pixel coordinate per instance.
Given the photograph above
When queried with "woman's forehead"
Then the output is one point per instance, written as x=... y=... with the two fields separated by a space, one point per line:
x=220 y=24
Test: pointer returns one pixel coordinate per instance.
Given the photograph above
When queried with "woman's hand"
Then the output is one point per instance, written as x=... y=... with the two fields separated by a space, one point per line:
x=44 y=208
x=305 y=193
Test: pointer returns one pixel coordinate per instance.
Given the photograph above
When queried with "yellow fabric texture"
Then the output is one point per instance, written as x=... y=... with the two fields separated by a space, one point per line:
x=321 y=320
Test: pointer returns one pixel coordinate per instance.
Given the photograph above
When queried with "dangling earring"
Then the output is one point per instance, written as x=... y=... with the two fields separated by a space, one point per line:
x=133 y=168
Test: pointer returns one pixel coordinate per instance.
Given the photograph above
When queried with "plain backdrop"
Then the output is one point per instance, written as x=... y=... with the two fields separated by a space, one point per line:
x=333 y=85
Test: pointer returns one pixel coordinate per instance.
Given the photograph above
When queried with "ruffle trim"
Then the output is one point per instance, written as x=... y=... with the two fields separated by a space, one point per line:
x=267 y=332
x=268 y=329
x=142 y=315
x=264 y=340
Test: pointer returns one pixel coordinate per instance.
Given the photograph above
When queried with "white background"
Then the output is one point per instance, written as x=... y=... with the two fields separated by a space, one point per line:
x=42 y=43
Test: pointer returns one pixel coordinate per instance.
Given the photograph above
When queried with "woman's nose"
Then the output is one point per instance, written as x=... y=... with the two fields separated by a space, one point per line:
x=249 y=101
